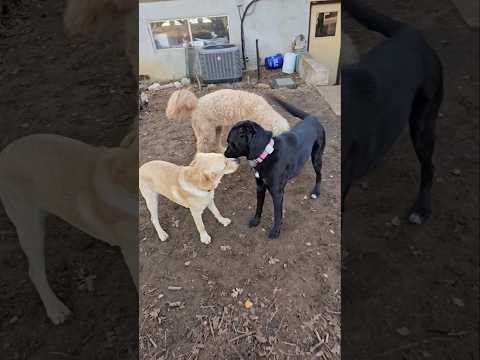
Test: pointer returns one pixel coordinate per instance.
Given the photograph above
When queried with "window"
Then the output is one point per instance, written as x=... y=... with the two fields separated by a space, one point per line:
x=170 y=33
x=211 y=30
x=326 y=24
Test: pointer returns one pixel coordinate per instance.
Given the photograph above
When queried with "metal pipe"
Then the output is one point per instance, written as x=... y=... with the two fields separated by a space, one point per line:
x=258 y=60
x=242 y=33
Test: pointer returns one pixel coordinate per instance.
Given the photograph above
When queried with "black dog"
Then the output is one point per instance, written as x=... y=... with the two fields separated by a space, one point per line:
x=278 y=161
x=398 y=81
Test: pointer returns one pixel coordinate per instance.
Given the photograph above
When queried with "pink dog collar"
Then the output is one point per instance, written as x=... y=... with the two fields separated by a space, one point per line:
x=268 y=150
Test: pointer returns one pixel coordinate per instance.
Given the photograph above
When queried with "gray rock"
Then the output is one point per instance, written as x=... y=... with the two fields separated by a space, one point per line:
x=285 y=82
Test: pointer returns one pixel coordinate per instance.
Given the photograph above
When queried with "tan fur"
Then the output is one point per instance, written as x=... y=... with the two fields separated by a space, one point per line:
x=94 y=16
x=221 y=110
x=181 y=102
x=191 y=186
x=92 y=188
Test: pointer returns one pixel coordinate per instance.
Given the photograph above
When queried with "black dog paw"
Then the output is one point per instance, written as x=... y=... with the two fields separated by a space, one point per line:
x=274 y=234
x=254 y=221
x=315 y=194
x=419 y=216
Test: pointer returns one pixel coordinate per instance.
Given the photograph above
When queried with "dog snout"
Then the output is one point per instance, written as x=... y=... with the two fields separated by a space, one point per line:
x=234 y=161
x=232 y=165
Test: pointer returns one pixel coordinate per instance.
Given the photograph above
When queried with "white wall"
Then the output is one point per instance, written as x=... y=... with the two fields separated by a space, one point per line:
x=274 y=22
x=169 y=64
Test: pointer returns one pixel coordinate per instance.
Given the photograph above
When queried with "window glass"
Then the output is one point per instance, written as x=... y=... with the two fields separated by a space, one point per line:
x=170 y=33
x=198 y=31
x=210 y=30
x=326 y=24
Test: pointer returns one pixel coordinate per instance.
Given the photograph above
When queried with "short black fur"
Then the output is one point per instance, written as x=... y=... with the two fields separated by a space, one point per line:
x=398 y=81
x=292 y=150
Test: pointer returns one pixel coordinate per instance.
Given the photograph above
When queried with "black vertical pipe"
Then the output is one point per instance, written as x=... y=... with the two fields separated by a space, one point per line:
x=242 y=34
x=258 y=60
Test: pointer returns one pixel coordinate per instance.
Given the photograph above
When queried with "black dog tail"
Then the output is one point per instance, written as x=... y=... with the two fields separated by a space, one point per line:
x=372 y=19
x=290 y=108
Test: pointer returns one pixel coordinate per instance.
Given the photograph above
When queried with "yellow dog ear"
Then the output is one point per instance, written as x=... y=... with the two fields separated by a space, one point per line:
x=208 y=180
x=200 y=178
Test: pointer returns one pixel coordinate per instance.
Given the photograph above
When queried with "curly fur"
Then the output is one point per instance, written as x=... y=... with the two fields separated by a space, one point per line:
x=181 y=102
x=214 y=114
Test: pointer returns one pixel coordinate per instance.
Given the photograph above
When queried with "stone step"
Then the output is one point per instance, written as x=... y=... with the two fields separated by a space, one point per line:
x=312 y=72
x=332 y=95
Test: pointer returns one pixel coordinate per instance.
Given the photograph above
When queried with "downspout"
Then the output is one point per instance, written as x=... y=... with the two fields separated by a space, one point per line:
x=242 y=33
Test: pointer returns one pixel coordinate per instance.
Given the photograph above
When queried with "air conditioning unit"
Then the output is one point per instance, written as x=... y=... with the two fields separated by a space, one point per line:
x=218 y=63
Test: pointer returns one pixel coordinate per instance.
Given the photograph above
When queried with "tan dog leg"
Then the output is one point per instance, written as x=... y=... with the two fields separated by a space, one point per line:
x=222 y=220
x=130 y=253
x=204 y=145
x=30 y=224
x=197 y=217
x=151 y=200
x=206 y=136
x=221 y=140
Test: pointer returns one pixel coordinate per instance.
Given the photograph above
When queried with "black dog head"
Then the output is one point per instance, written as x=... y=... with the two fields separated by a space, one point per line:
x=246 y=138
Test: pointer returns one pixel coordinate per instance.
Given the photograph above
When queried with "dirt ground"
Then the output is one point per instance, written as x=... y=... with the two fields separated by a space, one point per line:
x=411 y=292
x=293 y=282
x=408 y=292
x=81 y=89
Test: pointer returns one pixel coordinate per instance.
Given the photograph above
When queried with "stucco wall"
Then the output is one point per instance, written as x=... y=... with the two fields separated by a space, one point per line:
x=169 y=64
x=274 y=22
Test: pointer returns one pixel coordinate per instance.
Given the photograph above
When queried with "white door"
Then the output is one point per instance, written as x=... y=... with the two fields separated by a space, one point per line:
x=325 y=35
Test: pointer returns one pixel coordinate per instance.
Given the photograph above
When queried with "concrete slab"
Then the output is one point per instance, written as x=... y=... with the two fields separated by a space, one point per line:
x=332 y=95
x=284 y=82
x=312 y=72
x=469 y=11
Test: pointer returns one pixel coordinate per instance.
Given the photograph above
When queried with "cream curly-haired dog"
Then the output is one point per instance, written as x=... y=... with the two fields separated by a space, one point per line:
x=214 y=114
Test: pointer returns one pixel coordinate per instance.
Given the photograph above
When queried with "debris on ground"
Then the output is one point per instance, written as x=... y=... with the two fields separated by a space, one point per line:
x=403 y=331
x=456 y=172
x=236 y=292
x=395 y=221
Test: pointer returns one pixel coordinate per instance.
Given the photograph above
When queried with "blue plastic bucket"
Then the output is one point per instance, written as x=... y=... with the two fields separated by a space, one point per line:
x=274 y=62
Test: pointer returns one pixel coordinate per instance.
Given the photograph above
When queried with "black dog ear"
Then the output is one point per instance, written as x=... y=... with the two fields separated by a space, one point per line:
x=258 y=138
x=247 y=128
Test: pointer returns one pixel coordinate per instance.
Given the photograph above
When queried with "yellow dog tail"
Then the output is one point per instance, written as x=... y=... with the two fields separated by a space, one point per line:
x=181 y=102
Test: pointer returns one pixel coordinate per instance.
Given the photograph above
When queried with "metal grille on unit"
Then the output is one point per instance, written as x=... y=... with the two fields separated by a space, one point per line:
x=219 y=63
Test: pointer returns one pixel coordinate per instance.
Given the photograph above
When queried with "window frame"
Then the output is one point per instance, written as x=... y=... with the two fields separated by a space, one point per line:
x=187 y=18
x=323 y=25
